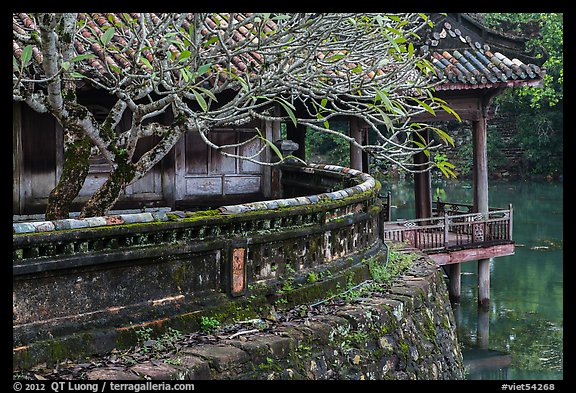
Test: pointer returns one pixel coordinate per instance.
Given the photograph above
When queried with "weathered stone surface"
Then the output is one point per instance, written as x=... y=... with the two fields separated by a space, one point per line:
x=95 y=221
x=257 y=348
x=158 y=370
x=371 y=338
x=111 y=374
x=279 y=346
x=23 y=227
x=220 y=357
x=137 y=217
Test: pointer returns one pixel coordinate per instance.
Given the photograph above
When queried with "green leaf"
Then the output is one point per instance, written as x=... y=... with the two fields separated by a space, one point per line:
x=203 y=69
x=107 y=36
x=444 y=136
x=335 y=57
x=245 y=85
x=75 y=74
x=425 y=106
x=146 y=62
x=280 y=17
x=83 y=57
x=410 y=49
x=451 y=111
x=184 y=55
x=446 y=168
x=26 y=55
x=185 y=74
x=201 y=101
x=15 y=62
x=392 y=41
x=272 y=146
x=289 y=108
x=115 y=68
x=422 y=146
x=210 y=41
x=381 y=95
x=207 y=92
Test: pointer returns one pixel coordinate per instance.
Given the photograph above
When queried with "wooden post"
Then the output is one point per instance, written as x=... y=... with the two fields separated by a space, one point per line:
x=276 y=124
x=480 y=188
x=446 y=227
x=422 y=186
x=510 y=222
x=355 y=152
x=454 y=284
x=365 y=159
x=17 y=159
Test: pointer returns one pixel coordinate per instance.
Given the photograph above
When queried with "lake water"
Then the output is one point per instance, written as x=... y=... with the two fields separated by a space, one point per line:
x=520 y=337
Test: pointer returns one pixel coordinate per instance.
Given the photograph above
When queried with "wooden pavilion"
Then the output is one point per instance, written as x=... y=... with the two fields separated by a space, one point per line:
x=476 y=64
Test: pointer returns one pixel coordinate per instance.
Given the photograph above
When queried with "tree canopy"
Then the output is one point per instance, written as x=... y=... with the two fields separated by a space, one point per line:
x=538 y=110
x=212 y=70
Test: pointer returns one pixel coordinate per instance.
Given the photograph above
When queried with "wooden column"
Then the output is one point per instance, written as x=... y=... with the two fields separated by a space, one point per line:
x=365 y=158
x=480 y=188
x=454 y=285
x=422 y=186
x=356 y=152
x=17 y=158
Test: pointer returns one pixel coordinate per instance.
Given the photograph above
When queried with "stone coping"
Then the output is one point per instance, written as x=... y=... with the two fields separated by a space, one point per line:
x=366 y=182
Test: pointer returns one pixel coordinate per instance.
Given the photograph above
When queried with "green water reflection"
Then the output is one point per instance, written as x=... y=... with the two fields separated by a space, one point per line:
x=525 y=319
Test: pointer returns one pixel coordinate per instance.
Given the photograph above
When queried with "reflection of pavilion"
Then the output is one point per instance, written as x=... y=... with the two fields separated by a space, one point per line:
x=487 y=364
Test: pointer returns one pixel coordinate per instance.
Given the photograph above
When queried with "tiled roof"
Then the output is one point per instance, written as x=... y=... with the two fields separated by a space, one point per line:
x=98 y=23
x=467 y=55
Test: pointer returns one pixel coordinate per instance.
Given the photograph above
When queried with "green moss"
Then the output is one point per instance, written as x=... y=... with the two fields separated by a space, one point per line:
x=429 y=328
x=404 y=349
x=214 y=215
x=193 y=216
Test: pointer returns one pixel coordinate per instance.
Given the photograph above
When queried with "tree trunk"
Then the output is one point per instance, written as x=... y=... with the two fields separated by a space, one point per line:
x=74 y=172
x=106 y=196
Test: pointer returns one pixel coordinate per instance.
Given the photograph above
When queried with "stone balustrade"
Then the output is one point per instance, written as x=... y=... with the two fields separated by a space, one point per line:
x=109 y=272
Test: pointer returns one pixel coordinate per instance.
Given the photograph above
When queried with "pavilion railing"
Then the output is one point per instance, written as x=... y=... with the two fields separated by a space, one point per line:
x=449 y=229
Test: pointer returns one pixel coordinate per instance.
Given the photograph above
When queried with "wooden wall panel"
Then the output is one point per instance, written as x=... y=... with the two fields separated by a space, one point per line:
x=196 y=155
x=203 y=185
x=202 y=171
x=241 y=184
x=220 y=164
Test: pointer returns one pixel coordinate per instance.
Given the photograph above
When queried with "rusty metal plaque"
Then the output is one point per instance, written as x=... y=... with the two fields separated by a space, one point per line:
x=238 y=276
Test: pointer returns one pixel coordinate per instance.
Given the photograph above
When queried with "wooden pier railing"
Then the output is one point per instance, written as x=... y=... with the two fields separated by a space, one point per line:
x=451 y=229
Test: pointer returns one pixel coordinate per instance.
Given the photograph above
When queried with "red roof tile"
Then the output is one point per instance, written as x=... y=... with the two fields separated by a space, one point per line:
x=464 y=54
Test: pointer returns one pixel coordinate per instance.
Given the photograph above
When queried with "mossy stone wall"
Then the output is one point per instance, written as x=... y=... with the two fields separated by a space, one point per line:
x=407 y=332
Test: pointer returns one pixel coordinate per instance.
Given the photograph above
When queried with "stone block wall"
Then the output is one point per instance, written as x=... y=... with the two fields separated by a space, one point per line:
x=405 y=333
